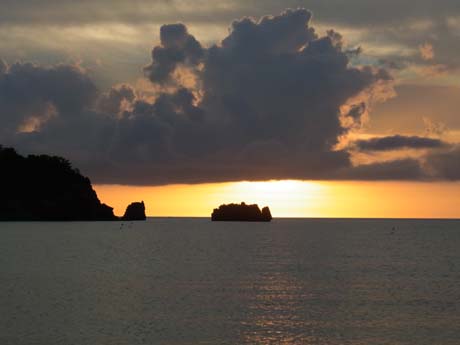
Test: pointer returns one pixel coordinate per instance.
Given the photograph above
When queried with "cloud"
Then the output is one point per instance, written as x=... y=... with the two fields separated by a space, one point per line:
x=444 y=165
x=49 y=30
x=33 y=93
x=405 y=113
x=268 y=104
x=117 y=100
x=399 y=169
x=426 y=51
x=3 y=67
x=359 y=12
x=398 y=142
x=429 y=59
x=177 y=47
x=433 y=128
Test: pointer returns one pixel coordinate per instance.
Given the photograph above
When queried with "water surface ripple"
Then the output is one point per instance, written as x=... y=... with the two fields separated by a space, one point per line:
x=191 y=281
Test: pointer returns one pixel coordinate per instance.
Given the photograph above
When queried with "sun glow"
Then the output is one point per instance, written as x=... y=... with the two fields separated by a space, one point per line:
x=287 y=198
x=294 y=198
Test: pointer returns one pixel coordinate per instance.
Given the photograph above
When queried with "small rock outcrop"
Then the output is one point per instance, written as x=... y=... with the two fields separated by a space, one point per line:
x=241 y=213
x=135 y=211
x=266 y=214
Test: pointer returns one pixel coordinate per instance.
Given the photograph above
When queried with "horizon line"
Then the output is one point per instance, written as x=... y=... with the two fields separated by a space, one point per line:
x=319 y=218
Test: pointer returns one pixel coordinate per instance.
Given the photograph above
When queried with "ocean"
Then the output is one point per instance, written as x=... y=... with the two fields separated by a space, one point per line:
x=185 y=281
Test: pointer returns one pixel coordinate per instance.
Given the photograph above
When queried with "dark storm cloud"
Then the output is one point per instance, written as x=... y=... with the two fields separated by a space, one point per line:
x=445 y=165
x=177 y=47
x=398 y=142
x=272 y=92
x=400 y=169
x=276 y=80
x=267 y=105
x=30 y=93
x=357 y=111
x=111 y=102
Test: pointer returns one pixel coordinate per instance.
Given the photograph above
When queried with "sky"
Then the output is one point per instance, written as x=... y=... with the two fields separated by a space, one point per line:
x=179 y=100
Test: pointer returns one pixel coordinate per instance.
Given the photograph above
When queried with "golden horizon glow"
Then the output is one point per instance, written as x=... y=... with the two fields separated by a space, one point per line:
x=294 y=199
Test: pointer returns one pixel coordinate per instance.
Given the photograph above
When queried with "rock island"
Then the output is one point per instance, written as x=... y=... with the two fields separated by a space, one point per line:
x=241 y=213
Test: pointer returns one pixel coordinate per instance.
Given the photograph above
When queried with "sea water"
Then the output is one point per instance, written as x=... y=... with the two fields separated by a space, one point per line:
x=192 y=281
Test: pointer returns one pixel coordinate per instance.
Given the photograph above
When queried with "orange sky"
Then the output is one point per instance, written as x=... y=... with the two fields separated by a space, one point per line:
x=295 y=198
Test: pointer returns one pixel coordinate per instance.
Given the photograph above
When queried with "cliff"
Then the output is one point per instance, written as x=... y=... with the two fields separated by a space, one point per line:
x=241 y=213
x=46 y=188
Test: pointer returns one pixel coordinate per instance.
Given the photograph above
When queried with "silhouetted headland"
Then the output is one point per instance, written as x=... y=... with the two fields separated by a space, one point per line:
x=241 y=213
x=47 y=188
x=135 y=211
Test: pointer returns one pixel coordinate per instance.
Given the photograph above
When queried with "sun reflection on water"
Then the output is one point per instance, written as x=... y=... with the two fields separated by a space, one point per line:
x=275 y=312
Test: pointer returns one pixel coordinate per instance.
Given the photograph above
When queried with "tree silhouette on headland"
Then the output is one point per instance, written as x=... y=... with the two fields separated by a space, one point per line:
x=42 y=187
x=241 y=213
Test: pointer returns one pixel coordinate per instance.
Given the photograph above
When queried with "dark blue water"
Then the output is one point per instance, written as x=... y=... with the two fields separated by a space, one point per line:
x=191 y=281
